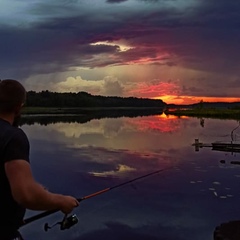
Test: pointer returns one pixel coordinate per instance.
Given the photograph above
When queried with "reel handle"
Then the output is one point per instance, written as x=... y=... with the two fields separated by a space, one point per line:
x=66 y=223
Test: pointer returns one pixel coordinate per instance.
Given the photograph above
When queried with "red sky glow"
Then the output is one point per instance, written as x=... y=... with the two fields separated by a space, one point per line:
x=171 y=99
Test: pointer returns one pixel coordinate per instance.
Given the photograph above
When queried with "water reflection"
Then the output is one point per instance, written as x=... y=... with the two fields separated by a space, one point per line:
x=185 y=202
x=88 y=114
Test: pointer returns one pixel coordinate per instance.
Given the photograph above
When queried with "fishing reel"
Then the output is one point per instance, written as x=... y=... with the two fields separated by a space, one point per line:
x=66 y=223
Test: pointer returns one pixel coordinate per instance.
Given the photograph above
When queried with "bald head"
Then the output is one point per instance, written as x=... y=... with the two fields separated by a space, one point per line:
x=12 y=96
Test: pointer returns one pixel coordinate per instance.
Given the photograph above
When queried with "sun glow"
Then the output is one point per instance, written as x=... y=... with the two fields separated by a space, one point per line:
x=159 y=123
x=171 y=99
x=163 y=116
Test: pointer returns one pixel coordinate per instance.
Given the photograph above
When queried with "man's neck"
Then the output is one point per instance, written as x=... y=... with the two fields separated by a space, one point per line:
x=7 y=117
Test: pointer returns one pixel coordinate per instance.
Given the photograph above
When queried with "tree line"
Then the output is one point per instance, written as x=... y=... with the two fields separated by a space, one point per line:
x=84 y=99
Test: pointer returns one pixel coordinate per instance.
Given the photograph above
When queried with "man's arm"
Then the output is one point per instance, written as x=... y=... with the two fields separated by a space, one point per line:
x=28 y=193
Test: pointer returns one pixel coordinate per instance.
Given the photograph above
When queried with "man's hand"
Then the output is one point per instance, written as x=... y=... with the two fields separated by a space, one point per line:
x=67 y=204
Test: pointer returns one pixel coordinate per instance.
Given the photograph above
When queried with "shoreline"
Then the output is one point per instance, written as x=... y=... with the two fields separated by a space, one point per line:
x=83 y=110
x=220 y=113
x=206 y=113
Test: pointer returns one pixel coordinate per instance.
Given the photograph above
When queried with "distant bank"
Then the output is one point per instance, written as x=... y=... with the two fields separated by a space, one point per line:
x=83 y=103
x=222 y=110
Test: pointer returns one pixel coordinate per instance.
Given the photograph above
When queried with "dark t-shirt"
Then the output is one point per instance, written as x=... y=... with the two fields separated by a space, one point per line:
x=14 y=145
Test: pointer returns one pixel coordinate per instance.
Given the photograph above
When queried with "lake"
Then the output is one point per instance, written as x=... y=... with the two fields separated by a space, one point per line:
x=193 y=194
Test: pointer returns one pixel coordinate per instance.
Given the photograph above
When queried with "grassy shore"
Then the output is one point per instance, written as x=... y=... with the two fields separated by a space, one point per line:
x=41 y=110
x=195 y=112
x=50 y=110
x=206 y=113
x=55 y=110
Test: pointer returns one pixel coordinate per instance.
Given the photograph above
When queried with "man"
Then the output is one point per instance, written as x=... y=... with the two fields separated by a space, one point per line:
x=18 y=189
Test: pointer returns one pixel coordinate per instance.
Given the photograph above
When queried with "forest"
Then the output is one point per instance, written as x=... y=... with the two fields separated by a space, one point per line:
x=84 y=99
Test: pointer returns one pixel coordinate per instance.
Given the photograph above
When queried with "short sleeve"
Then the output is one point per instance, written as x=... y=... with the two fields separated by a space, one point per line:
x=17 y=147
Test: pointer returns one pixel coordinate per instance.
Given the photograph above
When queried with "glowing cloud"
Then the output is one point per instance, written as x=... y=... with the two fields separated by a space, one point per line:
x=109 y=86
x=120 y=171
x=156 y=88
x=120 y=46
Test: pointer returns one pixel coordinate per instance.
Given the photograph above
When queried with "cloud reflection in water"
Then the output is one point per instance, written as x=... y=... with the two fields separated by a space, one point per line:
x=183 y=203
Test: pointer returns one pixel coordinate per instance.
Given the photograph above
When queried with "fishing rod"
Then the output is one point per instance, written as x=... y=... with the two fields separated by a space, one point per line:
x=68 y=222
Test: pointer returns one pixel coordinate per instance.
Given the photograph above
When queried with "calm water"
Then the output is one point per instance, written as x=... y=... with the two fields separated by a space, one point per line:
x=184 y=202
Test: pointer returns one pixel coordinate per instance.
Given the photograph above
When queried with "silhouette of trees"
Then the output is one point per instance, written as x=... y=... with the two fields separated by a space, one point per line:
x=83 y=99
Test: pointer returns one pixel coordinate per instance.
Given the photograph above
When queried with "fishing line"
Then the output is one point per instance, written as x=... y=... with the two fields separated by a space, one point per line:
x=67 y=221
x=234 y=130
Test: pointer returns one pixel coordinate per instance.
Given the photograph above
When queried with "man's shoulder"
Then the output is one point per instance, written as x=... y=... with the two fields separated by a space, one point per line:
x=18 y=132
x=15 y=145
x=12 y=132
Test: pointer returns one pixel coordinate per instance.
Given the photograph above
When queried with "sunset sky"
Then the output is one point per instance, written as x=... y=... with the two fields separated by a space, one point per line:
x=180 y=51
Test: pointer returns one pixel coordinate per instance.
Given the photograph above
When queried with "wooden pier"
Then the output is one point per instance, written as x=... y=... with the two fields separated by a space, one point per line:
x=218 y=146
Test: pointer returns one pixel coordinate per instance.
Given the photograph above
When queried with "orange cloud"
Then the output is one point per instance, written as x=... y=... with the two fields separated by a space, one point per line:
x=155 y=88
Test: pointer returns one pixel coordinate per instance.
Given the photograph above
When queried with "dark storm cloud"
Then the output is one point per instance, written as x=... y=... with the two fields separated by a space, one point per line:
x=115 y=1
x=49 y=47
x=151 y=1
x=223 y=14
x=205 y=33
x=216 y=36
x=203 y=37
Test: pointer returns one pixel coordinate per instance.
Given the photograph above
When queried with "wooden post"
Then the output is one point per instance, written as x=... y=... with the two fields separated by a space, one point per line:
x=197 y=145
